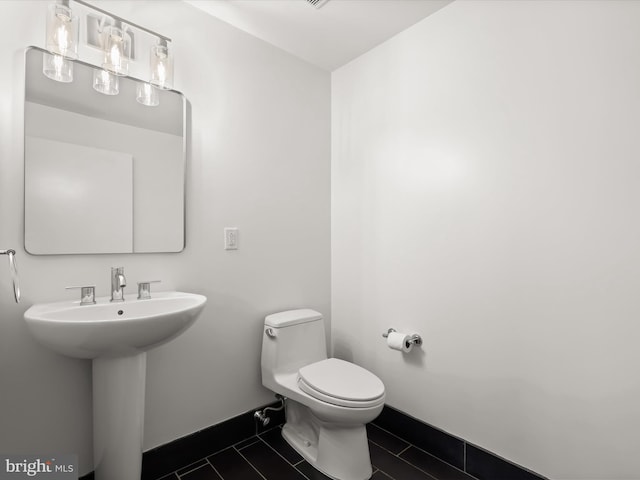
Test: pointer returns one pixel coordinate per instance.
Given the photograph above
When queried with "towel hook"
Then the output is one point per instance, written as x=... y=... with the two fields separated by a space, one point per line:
x=14 y=272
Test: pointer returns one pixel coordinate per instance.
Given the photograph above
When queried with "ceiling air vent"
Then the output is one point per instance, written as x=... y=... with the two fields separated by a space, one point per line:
x=317 y=3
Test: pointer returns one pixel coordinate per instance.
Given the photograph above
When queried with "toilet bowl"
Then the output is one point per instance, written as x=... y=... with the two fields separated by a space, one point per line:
x=328 y=400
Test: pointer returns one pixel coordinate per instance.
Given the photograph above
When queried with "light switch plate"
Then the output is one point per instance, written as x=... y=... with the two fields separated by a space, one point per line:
x=231 y=238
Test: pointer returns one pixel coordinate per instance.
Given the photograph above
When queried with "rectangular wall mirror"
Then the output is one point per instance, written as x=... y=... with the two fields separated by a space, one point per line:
x=103 y=173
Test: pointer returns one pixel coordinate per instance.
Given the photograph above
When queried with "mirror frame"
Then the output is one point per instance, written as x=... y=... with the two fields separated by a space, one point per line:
x=186 y=128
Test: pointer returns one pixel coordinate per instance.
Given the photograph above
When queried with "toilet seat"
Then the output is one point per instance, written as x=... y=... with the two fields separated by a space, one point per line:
x=341 y=383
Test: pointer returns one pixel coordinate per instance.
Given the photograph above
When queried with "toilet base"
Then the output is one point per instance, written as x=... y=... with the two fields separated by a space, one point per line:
x=340 y=451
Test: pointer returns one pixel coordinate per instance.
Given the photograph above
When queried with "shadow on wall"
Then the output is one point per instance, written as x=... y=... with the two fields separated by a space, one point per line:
x=342 y=351
x=415 y=357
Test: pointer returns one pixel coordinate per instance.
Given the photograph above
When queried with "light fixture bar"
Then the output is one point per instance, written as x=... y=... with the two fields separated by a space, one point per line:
x=113 y=35
x=119 y=19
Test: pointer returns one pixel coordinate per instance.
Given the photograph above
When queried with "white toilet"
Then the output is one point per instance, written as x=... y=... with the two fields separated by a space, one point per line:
x=329 y=401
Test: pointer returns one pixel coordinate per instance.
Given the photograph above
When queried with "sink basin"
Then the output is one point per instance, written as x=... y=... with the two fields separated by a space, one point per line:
x=116 y=336
x=113 y=329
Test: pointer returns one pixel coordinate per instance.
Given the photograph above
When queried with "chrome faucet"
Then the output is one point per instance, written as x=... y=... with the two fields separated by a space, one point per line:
x=118 y=282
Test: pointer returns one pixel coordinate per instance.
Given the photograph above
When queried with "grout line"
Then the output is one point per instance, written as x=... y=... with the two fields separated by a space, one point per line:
x=441 y=460
x=251 y=464
x=278 y=453
x=170 y=476
x=189 y=471
x=464 y=456
x=382 y=472
x=465 y=461
x=403 y=460
x=237 y=443
x=385 y=449
x=300 y=471
x=387 y=475
x=288 y=462
x=214 y=468
x=390 y=433
x=303 y=475
x=245 y=446
x=403 y=450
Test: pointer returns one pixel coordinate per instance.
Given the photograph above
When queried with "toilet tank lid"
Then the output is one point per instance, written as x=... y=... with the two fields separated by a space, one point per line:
x=292 y=317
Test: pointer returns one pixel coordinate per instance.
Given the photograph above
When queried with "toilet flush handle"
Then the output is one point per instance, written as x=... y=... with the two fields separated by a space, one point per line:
x=270 y=332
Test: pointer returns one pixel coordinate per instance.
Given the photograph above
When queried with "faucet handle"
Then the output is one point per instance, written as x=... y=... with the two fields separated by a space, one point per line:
x=144 y=289
x=87 y=294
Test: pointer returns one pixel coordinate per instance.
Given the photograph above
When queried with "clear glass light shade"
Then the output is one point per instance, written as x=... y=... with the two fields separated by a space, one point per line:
x=105 y=82
x=57 y=68
x=62 y=31
x=147 y=95
x=161 y=65
x=117 y=50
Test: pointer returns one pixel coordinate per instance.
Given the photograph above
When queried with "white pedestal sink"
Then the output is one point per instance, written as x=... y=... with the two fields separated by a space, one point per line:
x=116 y=336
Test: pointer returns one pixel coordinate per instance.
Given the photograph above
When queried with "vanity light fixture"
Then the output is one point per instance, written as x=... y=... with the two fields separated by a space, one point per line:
x=114 y=37
x=61 y=41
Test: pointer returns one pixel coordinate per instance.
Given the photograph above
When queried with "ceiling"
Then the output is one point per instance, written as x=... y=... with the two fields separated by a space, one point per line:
x=328 y=37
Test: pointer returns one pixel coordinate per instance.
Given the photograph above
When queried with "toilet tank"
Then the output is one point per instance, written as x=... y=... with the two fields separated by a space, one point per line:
x=291 y=340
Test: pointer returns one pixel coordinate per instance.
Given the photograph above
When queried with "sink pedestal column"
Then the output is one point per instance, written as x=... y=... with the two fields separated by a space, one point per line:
x=118 y=416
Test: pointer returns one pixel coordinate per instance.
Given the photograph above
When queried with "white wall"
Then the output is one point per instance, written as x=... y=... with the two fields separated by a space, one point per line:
x=485 y=193
x=259 y=160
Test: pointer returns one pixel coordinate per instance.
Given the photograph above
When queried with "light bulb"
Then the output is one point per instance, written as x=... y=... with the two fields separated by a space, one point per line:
x=117 y=50
x=57 y=68
x=161 y=65
x=62 y=37
x=62 y=31
x=161 y=74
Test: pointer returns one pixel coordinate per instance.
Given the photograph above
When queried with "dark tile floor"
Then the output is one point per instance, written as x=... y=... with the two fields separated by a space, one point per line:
x=268 y=457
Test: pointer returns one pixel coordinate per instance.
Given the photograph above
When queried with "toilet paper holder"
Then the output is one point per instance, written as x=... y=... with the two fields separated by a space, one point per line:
x=415 y=339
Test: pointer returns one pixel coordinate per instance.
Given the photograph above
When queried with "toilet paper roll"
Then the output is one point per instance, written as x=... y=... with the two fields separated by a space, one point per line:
x=399 y=341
